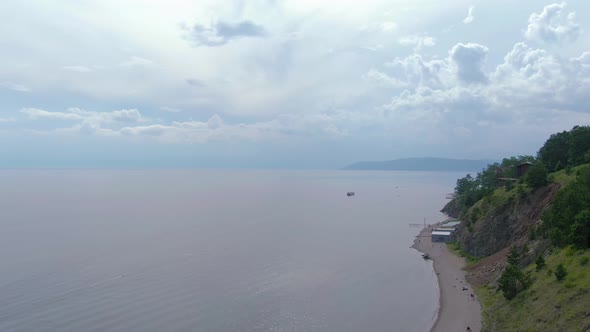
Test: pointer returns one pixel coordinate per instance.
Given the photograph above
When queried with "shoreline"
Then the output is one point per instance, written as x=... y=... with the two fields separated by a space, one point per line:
x=456 y=309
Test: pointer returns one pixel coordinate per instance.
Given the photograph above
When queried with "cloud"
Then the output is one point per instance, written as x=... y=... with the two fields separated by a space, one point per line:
x=14 y=86
x=200 y=132
x=7 y=120
x=136 y=61
x=221 y=33
x=127 y=123
x=419 y=42
x=469 y=18
x=382 y=79
x=194 y=82
x=170 y=109
x=79 y=69
x=414 y=71
x=428 y=104
x=215 y=122
x=552 y=25
x=469 y=60
x=389 y=26
x=533 y=78
x=36 y=114
x=530 y=87
x=87 y=117
x=465 y=64
x=130 y=115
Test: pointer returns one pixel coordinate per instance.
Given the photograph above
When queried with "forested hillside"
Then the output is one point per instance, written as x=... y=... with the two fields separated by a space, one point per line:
x=528 y=239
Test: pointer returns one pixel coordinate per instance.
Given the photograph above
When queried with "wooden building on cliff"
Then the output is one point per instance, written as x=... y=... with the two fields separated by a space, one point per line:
x=522 y=168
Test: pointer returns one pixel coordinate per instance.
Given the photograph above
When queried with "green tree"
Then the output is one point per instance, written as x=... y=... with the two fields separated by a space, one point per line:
x=465 y=184
x=514 y=256
x=567 y=221
x=560 y=272
x=566 y=149
x=536 y=176
x=554 y=154
x=512 y=281
x=580 y=229
x=579 y=144
x=540 y=262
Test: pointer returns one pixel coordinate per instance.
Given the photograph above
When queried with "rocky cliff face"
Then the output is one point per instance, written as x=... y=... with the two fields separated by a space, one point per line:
x=505 y=225
x=452 y=209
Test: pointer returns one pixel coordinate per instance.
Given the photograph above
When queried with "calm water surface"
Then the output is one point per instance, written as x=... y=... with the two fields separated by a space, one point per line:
x=185 y=250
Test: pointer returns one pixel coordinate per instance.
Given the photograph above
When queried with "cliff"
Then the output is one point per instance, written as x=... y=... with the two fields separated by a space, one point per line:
x=504 y=219
x=452 y=208
x=511 y=217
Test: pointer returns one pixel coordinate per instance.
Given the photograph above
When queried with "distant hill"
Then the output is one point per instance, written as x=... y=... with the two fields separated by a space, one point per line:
x=422 y=164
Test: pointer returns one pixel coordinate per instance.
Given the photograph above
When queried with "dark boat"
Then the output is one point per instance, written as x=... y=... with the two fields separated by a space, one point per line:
x=350 y=193
x=425 y=256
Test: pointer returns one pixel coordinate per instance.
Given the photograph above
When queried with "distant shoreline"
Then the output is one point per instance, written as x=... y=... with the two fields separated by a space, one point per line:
x=456 y=309
x=421 y=164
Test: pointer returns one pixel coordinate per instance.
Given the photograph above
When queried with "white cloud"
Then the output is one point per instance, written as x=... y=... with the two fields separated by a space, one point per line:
x=389 y=26
x=383 y=79
x=419 y=42
x=85 y=117
x=530 y=87
x=130 y=115
x=215 y=122
x=469 y=18
x=36 y=114
x=170 y=109
x=220 y=33
x=426 y=103
x=126 y=123
x=198 y=132
x=533 y=78
x=469 y=60
x=79 y=69
x=416 y=71
x=552 y=25
x=14 y=86
x=136 y=61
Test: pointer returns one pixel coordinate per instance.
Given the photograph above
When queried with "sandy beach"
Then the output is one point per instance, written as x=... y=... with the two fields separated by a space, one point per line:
x=457 y=309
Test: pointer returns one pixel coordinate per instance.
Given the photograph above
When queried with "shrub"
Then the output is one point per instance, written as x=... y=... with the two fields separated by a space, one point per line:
x=512 y=281
x=514 y=256
x=560 y=272
x=569 y=284
x=570 y=251
x=540 y=262
x=536 y=176
x=520 y=191
x=584 y=261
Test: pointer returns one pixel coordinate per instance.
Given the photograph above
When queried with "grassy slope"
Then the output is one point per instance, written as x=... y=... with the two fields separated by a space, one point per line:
x=548 y=305
x=455 y=248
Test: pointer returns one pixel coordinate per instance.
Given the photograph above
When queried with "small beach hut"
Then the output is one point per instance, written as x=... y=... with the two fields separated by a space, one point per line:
x=451 y=224
x=441 y=236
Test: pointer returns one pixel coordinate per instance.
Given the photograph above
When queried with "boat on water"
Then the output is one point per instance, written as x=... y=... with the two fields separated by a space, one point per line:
x=350 y=193
x=425 y=256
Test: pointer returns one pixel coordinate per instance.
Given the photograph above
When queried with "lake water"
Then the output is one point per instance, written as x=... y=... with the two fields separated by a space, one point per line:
x=192 y=250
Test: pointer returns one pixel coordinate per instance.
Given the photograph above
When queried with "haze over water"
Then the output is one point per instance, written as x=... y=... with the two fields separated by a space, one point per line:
x=191 y=250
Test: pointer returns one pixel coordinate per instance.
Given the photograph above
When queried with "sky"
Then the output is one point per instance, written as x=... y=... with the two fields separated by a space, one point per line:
x=286 y=84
